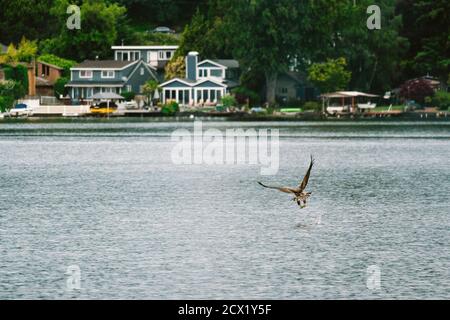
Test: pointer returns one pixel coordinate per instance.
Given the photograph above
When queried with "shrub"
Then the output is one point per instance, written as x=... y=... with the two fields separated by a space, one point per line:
x=441 y=100
x=128 y=95
x=6 y=103
x=18 y=74
x=243 y=94
x=60 y=87
x=312 y=105
x=229 y=101
x=7 y=94
x=170 y=108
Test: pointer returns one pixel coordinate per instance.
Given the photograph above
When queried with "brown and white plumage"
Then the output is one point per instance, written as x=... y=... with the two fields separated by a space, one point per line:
x=300 y=195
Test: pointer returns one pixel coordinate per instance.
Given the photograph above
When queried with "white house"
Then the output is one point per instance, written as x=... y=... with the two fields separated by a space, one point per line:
x=206 y=82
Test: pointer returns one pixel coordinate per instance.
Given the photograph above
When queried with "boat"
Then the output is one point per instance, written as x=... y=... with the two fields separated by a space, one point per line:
x=103 y=108
x=368 y=105
x=19 y=110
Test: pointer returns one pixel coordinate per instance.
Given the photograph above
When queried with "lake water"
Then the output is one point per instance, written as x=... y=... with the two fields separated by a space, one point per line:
x=107 y=198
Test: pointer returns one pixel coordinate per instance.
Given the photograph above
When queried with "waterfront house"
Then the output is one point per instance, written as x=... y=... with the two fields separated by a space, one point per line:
x=47 y=75
x=49 y=72
x=206 y=82
x=294 y=86
x=96 y=76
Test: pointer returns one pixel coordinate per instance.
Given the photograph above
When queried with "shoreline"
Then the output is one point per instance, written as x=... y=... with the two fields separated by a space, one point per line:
x=237 y=117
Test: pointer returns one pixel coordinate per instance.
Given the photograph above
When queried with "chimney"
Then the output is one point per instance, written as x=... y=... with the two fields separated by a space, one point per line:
x=191 y=66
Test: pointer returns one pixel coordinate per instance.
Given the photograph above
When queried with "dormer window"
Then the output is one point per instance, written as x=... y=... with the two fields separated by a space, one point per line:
x=85 y=74
x=107 y=74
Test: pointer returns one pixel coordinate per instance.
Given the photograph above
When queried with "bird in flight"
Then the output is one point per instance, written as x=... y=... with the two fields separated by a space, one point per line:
x=300 y=196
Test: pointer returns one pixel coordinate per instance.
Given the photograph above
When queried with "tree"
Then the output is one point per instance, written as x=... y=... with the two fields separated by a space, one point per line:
x=25 y=18
x=161 y=11
x=330 y=76
x=416 y=90
x=100 y=22
x=7 y=93
x=18 y=74
x=149 y=89
x=338 y=29
x=25 y=52
x=265 y=35
x=427 y=27
x=60 y=87
x=176 y=68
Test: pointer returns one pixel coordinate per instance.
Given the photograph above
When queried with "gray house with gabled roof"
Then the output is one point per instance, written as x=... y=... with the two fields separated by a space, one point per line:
x=206 y=82
x=95 y=76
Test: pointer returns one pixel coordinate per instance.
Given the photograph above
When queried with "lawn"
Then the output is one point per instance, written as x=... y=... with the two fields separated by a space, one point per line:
x=386 y=108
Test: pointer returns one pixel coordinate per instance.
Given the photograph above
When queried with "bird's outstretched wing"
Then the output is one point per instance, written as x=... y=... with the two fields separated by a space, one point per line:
x=282 y=189
x=306 y=178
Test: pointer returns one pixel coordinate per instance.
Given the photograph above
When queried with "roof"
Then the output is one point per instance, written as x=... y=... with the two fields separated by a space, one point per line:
x=229 y=63
x=347 y=94
x=160 y=47
x=89 y=83
x=103 y=64
x=106 y=96
x=41 y=82
x=296 y=76
x=192 y=83
x=50 y=65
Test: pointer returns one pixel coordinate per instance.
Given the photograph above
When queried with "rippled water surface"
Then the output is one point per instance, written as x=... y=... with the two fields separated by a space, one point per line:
x=105 y=196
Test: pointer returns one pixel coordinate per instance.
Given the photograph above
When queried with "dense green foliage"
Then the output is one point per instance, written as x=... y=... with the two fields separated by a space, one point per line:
x=100 y=25
x=330 y=76
x=440 y=100
x=128 y=95
x=59 y=62
x=19 y=75
x=229 y=101
x=170 y=108
x=60 y=87
x=7 y=93
x=24 y=52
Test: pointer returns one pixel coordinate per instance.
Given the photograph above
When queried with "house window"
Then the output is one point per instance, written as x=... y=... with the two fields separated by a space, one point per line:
x=135 y=55
x=284 y=90
x=141 y=89
x=216 y=73
x=107 y=74
x=168 y=55
x=161 y=55
x=86 y=74
x=203 y=73
x=129 y=89
x=142 y=71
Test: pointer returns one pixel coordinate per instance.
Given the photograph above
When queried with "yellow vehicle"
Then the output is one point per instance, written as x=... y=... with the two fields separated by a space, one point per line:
x=103 y=108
